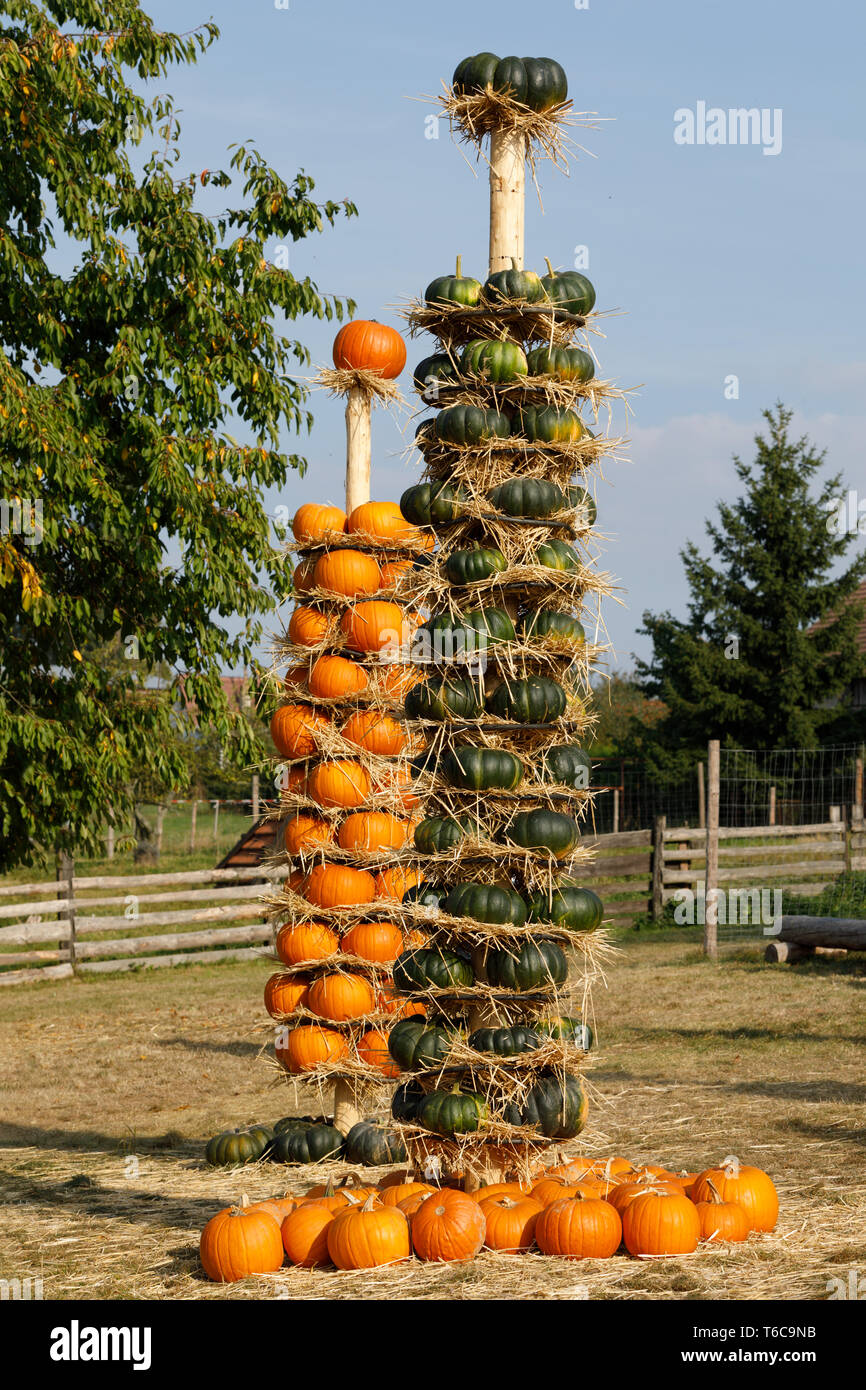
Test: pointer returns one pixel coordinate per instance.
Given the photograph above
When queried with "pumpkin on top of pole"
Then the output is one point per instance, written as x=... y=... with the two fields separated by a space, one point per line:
x=345 y=798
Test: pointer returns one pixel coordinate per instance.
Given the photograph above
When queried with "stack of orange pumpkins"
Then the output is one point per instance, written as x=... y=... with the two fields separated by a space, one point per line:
x=582 y=1209
x=349 y=787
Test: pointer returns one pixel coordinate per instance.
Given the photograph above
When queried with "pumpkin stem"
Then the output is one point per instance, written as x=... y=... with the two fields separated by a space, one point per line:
x=550 y=269
x=371 y=1202
x=716 y=1194
x=459 y=271
x=514 y=265
x=242 y=1205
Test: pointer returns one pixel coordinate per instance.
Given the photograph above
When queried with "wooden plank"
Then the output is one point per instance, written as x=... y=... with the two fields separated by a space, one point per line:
x=726 y=832
x=622 y=885
x=244 y=875
x=802 y=890
x=175 y=941
x=816 y=848
x=658 y=868
x=100 y=967
x=24 y=933
x=758 y=872
x=27 y=977
x=619 y=865
x=626 y=839
x=234 y=892
x=31 y=957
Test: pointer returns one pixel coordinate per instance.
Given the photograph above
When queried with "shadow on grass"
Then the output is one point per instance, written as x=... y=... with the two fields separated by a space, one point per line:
x=232 y=1049
x=167 y=1145
x=149 y=1208
x=782 y=1034
x=825 y=1092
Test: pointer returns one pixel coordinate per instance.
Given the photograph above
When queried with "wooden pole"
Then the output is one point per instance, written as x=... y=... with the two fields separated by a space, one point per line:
x=216 y=820
x=66 y=874
x=507 y=199
x=357 y=449
x=109 y=842
x=193 y=814
x=659 y=826
x=857 y=809
x=616 y=810
x=711 y=922
x=772 y=820
x=702 y=799
x=160 y=817
x=255 y=797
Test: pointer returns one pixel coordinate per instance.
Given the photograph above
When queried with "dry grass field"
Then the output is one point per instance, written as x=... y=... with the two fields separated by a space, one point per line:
x=110 y=1087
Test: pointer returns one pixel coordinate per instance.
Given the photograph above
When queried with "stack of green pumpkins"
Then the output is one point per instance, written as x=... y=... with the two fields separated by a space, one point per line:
x=302 y=1139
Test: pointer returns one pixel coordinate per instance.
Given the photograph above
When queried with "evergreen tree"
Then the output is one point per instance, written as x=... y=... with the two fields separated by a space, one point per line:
x=748 y=665
x=129 y=512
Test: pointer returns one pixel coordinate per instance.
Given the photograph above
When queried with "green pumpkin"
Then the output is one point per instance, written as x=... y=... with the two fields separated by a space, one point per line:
x=406 y=1100
x=430 y=372
x=544 y=829
x=548 y=424
x=532 y=700
x=314 y=1144
x=452 y=1112
x=513 y=286
x=425 y=436
x=293 y=1122
x=569 y=1030
x=566 y=765
x=537 y=965
x=424 y=967
x=505 y=1042
x=568 y=290
x=481 y=769
x=557 y=555
x=475 y=73
x=453 y=289
x=557 y=1106
x=562 y=363
x=373 y=1145
x=491 y=903
x=547 y=622
x=585 y=503
x=236 y=1146
x=438 y=834
x=416 y=1044
x=432 y=504
x=546 y=83
x=494 y=360
x=528 y=497
x=461 y=636
x=471 y=566
x=471 y=424
x=510 y=78
x=445 y=697
x=568 y=906
x=426 y=895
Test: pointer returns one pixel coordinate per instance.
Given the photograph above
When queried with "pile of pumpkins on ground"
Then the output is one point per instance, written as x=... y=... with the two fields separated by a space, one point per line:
x=580 y=1209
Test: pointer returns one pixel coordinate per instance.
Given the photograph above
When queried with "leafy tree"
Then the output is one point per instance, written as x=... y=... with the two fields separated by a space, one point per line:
x=129 y=510
x=618 y=702
x=749 y=665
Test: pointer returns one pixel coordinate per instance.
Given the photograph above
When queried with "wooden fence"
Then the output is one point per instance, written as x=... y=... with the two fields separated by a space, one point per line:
x=70 y=913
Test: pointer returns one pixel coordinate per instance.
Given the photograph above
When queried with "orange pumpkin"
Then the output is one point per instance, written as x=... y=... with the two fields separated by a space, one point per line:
x=393 y=883
x=369 y=346
x=751 y=1188
x=661 y=1223
x=294 y=729
x=623 y=1194
x=363 y=1237
x=295 y=779
x=500 y=1189
x=339 y=783
x=722 y=1220
x=375 y=732
x=334 y=677
x=391 y=573
x=372 y=625
x=239 y=1242
x=372 y=830
x=579 y=1228
x=389 y=1001
x=448 y=1225
x=409 y=1205
x=295 y=679
x=314 y=522
x=551 y=1189
x=278 y=1207
x=373 y=1049
x=302 y=941
x=304 y=832
x=376 y=941
x=308 y=627
x=338 y=885
x=340 y=998
x=395 y=1193
x=398 y=680
x=301 y=1049
x=285 y=993
x=384 y=522
x=303 y=578
x=510 y=1222
x=348 y=572
x=304 y=1235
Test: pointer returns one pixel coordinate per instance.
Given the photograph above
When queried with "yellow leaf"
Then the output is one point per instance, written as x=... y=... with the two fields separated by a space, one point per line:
x=77 y=654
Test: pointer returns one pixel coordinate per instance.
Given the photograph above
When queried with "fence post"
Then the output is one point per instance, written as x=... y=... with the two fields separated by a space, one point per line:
x=255 y=796
x=65 y=875
x=846 y=832
x=772 y=820
x=192 y=818
x=616 y=810
x=658 y=866
x=857 y=808
x=711 y=918
x=160 y=817
x=216 y=820
x=702 y=799
x=109 y=841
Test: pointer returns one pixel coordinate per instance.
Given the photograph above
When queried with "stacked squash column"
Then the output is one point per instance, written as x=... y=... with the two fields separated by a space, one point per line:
x=492 y=1074
x=346 y=799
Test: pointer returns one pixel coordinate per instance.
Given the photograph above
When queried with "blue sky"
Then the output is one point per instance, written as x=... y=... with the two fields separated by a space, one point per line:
x=722 y=260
